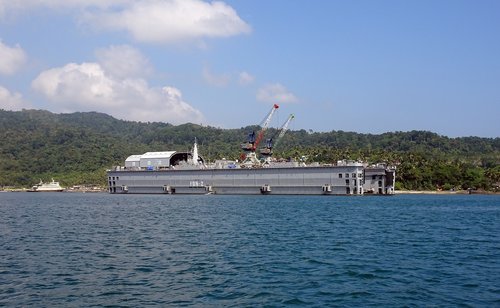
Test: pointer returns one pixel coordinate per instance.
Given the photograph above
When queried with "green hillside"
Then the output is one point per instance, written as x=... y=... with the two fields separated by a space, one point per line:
x=77 y=148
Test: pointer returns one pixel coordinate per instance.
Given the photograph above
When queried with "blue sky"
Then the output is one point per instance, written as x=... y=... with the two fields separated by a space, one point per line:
x=363 y=66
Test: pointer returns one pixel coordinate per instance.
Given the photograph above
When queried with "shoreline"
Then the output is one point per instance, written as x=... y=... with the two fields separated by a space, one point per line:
x=397 y=192
x=444 y=192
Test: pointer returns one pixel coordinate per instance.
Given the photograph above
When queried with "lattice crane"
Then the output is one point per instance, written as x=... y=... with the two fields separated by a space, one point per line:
x=273 y=141
x=253 y=140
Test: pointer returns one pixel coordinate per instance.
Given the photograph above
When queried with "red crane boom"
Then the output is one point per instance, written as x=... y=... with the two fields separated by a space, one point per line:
x=265 y=125
x=253 y=141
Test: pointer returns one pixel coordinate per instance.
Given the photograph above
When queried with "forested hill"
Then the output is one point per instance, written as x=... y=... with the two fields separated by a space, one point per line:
x=77 y=148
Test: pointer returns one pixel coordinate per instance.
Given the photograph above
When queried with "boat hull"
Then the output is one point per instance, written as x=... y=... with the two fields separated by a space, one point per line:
x=46 y=190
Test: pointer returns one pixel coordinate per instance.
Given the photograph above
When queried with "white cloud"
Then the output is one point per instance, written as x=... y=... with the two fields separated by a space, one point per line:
x=12 y=101
x=88 y=87
x=11 y=58
x=158 y=21
x=245 y=78
x=171 y=20
x=220 y=80
x=123 y=61
x=276 y=93
x=79 y=84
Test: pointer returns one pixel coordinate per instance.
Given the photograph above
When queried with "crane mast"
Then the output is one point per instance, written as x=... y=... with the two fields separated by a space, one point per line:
x=273 y=142
x=265 y=125
x=254 y=140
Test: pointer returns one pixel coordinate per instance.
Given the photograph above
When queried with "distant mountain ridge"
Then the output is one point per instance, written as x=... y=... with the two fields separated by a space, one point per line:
x=79 y=146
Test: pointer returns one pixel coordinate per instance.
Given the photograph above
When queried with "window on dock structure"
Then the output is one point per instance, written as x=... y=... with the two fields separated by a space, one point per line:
x=340 y=175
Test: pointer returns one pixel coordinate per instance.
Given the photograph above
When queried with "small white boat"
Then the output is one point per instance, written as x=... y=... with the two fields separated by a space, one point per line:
x=47 y=187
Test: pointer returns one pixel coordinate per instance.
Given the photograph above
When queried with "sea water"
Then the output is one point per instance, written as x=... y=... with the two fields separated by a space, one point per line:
x=72 y=249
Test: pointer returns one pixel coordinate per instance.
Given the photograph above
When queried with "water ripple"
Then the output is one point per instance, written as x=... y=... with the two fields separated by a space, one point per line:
x=116 y=251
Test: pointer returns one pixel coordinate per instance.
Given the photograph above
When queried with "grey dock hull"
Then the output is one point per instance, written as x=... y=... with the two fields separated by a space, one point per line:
x=331 y=180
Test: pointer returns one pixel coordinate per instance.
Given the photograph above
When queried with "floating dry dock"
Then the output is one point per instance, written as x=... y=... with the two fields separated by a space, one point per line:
x=160 y=176
x=172 y=172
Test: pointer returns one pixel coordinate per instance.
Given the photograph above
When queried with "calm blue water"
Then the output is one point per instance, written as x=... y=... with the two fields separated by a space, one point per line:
x=97 y=249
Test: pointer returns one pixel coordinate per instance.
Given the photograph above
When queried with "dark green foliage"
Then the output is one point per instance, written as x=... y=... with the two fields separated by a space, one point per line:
x=77 y=148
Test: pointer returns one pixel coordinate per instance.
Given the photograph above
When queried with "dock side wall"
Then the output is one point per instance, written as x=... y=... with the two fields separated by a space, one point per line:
x=337 y=180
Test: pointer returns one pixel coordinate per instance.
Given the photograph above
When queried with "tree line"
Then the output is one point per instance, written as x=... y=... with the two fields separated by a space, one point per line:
x=77 y=148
